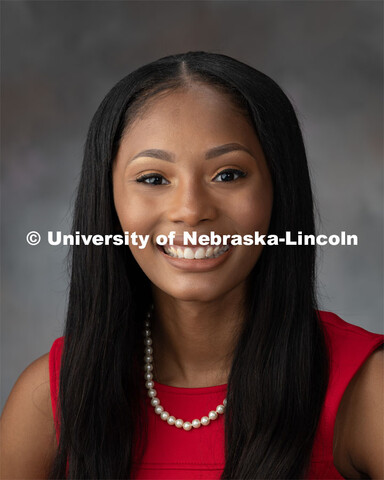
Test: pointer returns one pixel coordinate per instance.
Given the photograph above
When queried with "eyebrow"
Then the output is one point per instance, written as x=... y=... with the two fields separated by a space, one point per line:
x=211 y=153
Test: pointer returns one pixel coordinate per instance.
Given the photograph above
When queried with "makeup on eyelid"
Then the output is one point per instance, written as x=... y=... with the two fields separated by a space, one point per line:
x=234 y=171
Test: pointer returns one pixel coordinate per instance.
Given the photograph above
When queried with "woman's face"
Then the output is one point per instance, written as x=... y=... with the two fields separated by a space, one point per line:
x=192 y=162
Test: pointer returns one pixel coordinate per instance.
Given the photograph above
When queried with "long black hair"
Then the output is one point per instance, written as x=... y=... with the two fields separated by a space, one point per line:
x=280 y=371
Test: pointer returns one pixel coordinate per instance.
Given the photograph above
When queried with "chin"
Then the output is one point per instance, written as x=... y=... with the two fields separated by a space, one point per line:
x=191 y=297
x=196 y=292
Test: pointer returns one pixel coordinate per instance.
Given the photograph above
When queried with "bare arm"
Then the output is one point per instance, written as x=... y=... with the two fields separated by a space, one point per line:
x=360 y=428
x=27 y=435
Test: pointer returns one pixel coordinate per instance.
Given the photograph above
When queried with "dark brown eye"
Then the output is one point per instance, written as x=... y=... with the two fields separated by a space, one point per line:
x=229 y=175
x=152 y=179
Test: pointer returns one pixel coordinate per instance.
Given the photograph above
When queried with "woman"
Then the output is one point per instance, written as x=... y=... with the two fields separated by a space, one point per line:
x=243 y=378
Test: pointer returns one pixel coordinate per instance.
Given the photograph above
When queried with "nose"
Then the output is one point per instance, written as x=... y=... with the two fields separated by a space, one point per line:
x=191 y=204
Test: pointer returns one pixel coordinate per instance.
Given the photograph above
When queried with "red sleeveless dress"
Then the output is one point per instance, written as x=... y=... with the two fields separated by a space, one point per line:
x=199 y=454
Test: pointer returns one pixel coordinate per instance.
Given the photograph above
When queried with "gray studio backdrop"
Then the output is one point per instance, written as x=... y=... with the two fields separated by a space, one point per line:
x=60 y=58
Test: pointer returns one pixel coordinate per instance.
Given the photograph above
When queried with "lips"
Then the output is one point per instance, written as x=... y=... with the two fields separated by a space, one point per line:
x=196 y=264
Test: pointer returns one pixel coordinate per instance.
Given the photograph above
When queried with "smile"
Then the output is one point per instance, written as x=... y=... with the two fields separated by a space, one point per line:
x=197 y=253
x=196 y=259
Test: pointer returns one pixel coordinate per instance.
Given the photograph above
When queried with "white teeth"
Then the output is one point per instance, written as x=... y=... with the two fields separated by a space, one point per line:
x=188 y=253
x=200 y=253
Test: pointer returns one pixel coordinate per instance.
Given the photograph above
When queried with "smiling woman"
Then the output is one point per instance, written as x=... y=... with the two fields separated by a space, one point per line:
x=206 y=171
x=242 y=376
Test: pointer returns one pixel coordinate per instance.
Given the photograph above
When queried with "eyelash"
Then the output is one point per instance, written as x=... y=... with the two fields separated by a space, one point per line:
x=147 y=176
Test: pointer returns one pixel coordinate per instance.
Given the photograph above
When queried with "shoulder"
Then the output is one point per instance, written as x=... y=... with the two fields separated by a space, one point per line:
x=338 y=327
x=349 y=346
x=28 y=442
x=359 y=438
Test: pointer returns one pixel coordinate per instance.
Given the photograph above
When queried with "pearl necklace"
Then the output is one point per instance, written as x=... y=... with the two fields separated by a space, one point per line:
x=155 y=402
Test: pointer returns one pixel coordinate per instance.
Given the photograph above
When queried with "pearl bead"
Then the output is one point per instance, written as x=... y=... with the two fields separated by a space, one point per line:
x=171 y=420
x=204 y=421
x=155 y=401
x=212 y=415
x=179 y=423
x=164 y=415
x=196 y=423
x=152 y=392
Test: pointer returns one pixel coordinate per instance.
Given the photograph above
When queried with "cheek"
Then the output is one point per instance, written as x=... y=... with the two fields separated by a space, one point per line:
x=143 y=256
x=252 y=211
x=132 y=210
x=133 y=219
x=135 y=214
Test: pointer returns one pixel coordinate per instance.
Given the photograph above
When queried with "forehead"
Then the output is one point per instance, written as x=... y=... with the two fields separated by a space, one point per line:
x=195 y=112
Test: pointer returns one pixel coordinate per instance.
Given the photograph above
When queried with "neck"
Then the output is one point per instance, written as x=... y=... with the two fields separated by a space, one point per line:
x=194 y=342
